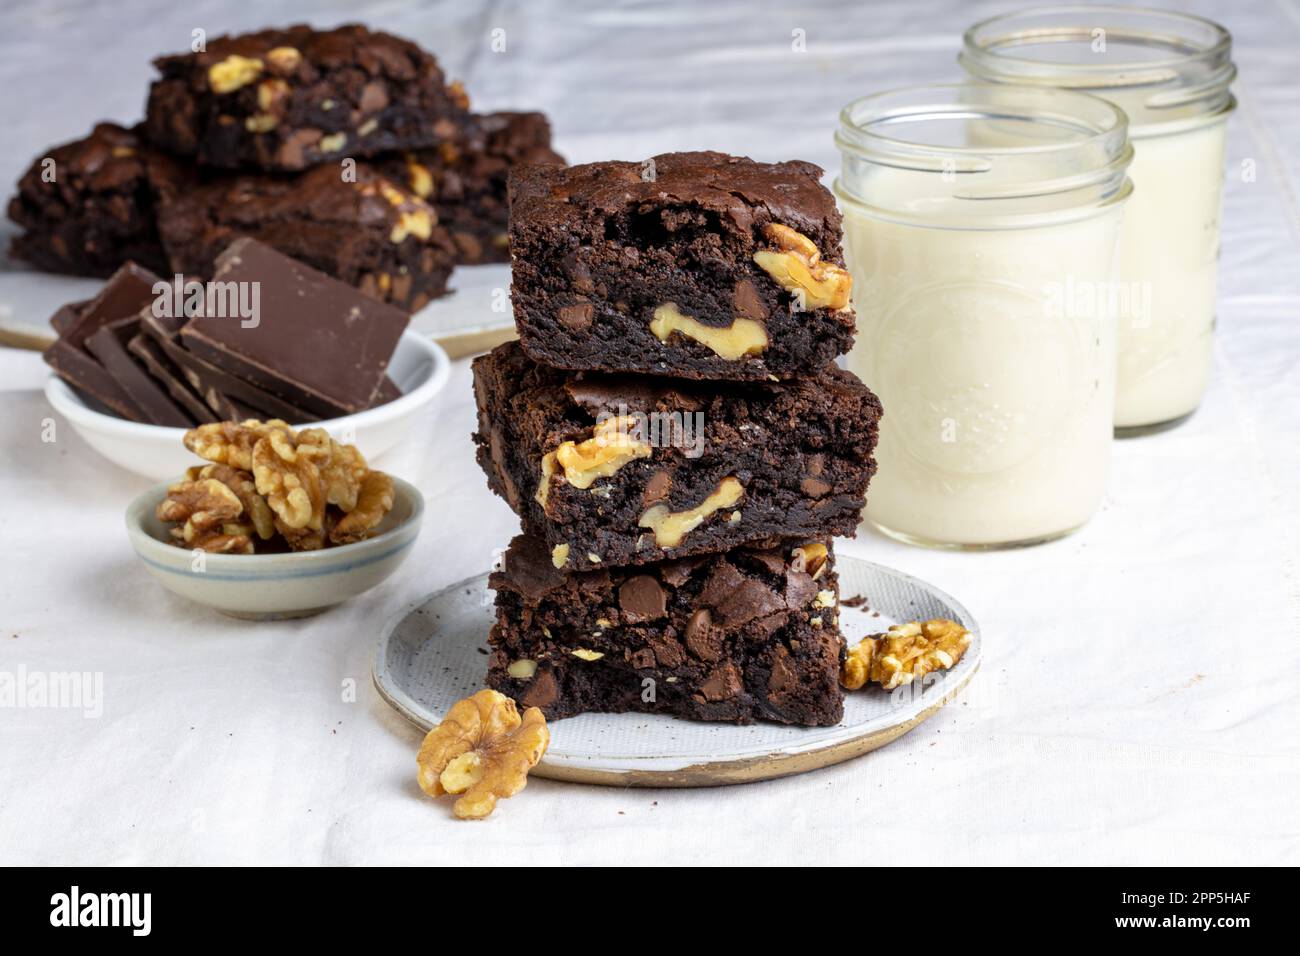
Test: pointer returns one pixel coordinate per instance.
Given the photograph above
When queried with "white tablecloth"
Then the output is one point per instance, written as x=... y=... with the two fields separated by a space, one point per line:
x=1138 y=701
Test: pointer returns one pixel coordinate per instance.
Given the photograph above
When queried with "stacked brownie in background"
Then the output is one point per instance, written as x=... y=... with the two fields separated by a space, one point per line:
x=248 y=138
x=674 y=435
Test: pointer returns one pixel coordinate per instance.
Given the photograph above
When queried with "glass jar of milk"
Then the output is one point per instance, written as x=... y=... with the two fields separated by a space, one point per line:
x=1170 y=73
x=981 y=228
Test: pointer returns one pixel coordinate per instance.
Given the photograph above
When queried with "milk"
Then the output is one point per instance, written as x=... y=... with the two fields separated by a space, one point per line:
x=993 y=354
x=1170 y=243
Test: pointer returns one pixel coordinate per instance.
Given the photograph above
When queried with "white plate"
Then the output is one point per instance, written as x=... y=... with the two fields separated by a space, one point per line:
x=431 y=654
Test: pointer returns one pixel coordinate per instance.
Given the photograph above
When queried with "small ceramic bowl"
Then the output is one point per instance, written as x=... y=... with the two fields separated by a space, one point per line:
x=419 y=366
x=264 y=587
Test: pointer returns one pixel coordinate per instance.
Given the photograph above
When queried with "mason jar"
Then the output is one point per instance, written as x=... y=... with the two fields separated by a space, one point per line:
x=1170 y=73
x=981 y=229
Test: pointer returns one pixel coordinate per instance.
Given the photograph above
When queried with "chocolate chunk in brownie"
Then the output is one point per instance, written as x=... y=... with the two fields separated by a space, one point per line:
x=87 y=206
x=466 y=181
x=294 y=98
x=698 y=265
x=611 y=469
x=359 y=228
x=751 y=634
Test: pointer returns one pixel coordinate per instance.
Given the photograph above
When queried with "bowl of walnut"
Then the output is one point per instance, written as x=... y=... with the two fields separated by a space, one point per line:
x=274 y=522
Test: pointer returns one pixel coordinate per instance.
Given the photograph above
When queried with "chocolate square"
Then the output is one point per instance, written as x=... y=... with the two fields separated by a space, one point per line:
x=127 y=291
x=319 y=343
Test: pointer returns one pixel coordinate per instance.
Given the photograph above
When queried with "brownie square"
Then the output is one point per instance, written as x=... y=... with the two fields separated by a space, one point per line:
x=699 y=265
x=289 y=99
x=318 y=343
x=363 y=230
x=88 y=206
x=615 y=469
x=466 y=182
x=751 y=634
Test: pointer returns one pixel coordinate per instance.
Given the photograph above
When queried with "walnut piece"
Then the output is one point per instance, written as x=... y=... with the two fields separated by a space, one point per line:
x=256 y=511
x=341 y=467
x=233 y=72
x=304 y=487
x=797 y=266
x=610 y=447
x=904 y=653
x=742 y=337
x=671 y=527
x=231 y=443
x=206 y=511
x=809 y=558
x=290 y=482
x=482 y=751
x=284 y=59
x=373 y=502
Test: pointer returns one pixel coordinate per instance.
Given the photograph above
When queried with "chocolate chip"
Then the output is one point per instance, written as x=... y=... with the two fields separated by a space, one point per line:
x=800 y=588
x=722 y=684
x=642 y=599
x=643 y=658
x=677 y=572
x=657 y=488
x=784 y=678
x=542 y=691
x=814 y=487
x=769 y=558
x=667 y=651
x=577 y=318
x=737 y=598
x=373 y=97
x=747 y=302
x=702 y=638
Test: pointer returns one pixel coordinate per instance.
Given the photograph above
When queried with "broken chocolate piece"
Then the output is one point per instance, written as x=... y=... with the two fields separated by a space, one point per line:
x=109 y=345
x=318 y=343
x=127 y=291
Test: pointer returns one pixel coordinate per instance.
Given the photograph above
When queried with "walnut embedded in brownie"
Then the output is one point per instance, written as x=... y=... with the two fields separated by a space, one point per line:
x=466 y=181
x=698 y=265
x=751 y=634
x=87 y=206
x=618 y=469
x=290 y=99
x=362 y=229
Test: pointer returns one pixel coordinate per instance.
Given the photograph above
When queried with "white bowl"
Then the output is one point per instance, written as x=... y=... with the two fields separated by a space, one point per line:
x=275 y=586
x=419 y=366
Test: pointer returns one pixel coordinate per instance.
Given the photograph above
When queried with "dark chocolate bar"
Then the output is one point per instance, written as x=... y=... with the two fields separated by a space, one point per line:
x=125 y=294
x=109 y=345
x=319 y=343
x=218 y=388
x=149 y=354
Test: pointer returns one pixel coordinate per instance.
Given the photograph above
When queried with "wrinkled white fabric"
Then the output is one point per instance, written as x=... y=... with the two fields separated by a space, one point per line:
x=1138 y=698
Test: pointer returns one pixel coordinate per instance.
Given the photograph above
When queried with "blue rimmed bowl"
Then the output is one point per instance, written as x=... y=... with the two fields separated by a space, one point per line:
x=264 y=587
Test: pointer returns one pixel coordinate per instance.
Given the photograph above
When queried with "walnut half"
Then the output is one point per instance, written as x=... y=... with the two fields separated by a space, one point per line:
x=796 y=265
x=482 y=751
x=904 y=653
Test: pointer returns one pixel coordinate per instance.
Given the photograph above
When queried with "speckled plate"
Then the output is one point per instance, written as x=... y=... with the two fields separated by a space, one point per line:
x=433 y=653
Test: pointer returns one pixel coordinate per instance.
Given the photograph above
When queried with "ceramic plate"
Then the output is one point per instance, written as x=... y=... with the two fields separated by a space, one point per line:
x=433 y=653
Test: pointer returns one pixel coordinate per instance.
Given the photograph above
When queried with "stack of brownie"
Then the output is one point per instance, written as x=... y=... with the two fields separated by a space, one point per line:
x=676 y=439
x=260 y=135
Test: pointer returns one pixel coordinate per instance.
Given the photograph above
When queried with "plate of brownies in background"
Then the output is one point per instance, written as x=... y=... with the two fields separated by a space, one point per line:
x=344 y=149
x=681 y=448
